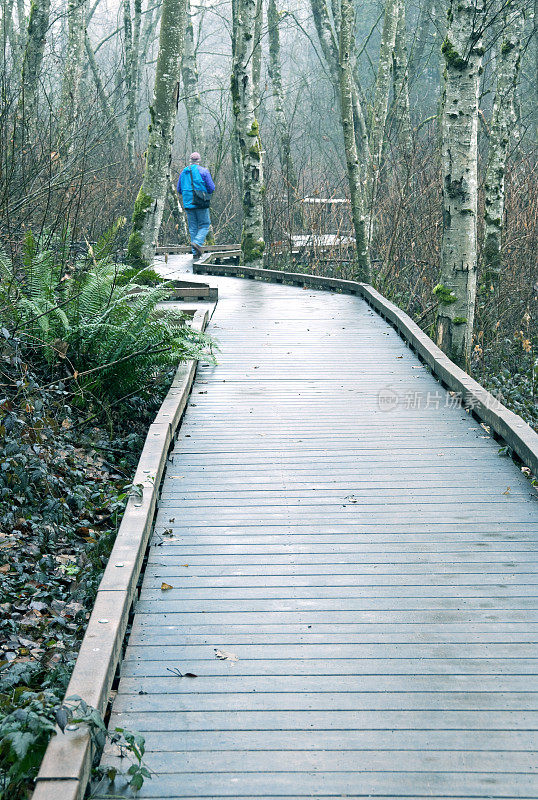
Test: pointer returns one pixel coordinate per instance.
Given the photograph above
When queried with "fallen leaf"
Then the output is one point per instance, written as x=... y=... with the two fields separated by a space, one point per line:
x=62 y=717
x=175 y=671
x=224 y=655
x=165 y=586
x=507 y=490
x=5 y=568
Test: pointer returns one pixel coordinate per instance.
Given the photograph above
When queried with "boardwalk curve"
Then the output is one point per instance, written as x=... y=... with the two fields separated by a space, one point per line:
x=353 y=544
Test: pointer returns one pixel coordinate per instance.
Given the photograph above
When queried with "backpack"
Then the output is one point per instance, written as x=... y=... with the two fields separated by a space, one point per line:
x=199 y=198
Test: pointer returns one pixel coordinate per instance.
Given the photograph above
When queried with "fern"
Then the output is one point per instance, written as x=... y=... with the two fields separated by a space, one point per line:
x=111 y=332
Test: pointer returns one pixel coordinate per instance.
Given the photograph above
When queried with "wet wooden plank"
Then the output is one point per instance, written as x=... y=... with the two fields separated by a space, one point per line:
x=370 y=569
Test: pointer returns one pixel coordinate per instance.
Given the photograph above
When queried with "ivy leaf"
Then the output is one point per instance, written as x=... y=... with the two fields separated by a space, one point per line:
x=62 y=718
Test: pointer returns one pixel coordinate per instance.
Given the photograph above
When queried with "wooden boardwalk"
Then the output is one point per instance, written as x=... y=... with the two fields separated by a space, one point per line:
x=367 y=564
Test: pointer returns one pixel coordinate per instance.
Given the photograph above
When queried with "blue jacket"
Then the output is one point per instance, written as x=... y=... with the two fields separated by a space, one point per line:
x=202 y=181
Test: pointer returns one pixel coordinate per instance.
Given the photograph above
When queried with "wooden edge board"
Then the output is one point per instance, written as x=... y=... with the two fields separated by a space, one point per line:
x=65 y=769
x=185 y=248
x=510 y=427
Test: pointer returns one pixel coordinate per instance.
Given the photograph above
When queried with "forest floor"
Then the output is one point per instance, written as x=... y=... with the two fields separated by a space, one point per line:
x=64 y=480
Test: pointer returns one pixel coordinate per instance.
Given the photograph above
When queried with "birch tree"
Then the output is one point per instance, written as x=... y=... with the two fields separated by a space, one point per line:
x=400 y=83
x=347 y=26
x=502 y=123
x=189 y=74
x=150 y=201
x=252 y=242
x=456 y=291
x=132 y=27
x=380 y=108
x=275 y=75
x=69 y=102
x=38 y=26
x=257 y=55
x=237 y=160
x=6 y=26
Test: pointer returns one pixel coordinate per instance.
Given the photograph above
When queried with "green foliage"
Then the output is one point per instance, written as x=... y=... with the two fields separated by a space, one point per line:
x=508 y=368
x=26 y=732
x=444 y=295
x=76 y=711
x=142 y=277
x=61 y=503
x=507 y=47
x=24 y=735
x=91 y=323
x=252 y=249
x=452 y=57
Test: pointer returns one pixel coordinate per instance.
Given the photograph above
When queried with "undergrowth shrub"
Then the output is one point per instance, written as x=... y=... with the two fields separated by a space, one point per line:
x=90 y=325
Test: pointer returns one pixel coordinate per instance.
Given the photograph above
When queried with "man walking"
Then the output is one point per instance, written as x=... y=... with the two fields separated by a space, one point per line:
x=195 y=184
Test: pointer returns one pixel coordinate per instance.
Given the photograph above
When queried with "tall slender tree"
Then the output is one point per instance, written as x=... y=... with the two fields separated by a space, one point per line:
x=456 y=291
x=70 y=96
x=189 y=74
x=257 y=56
x=132 y=68
x=378 y=119
x=150 y=201
x=275 y=74
x=400 y=83
x=347 y=27
x=38 y=26
x=502 y=124
x=248 y=132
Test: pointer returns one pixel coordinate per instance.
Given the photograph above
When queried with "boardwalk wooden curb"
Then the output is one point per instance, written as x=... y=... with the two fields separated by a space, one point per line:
x=519 y=436
x=66 y=766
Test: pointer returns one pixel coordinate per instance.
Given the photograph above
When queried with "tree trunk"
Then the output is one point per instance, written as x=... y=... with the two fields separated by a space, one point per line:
x=252 y=243
x=329 y=46
x=237 y=160
x=69 y=104
x=347 y=27
x=535 y=37
x=177 y=212
x=149 y=204
x=19 y=38
x=133 y=68
x=257 y=55
x=502 y=125
x=456 y=291
x=381 y=95
x=193 y=103
x=400 y=82
x=275 y=74
x=38 y=26
x=6 y=28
